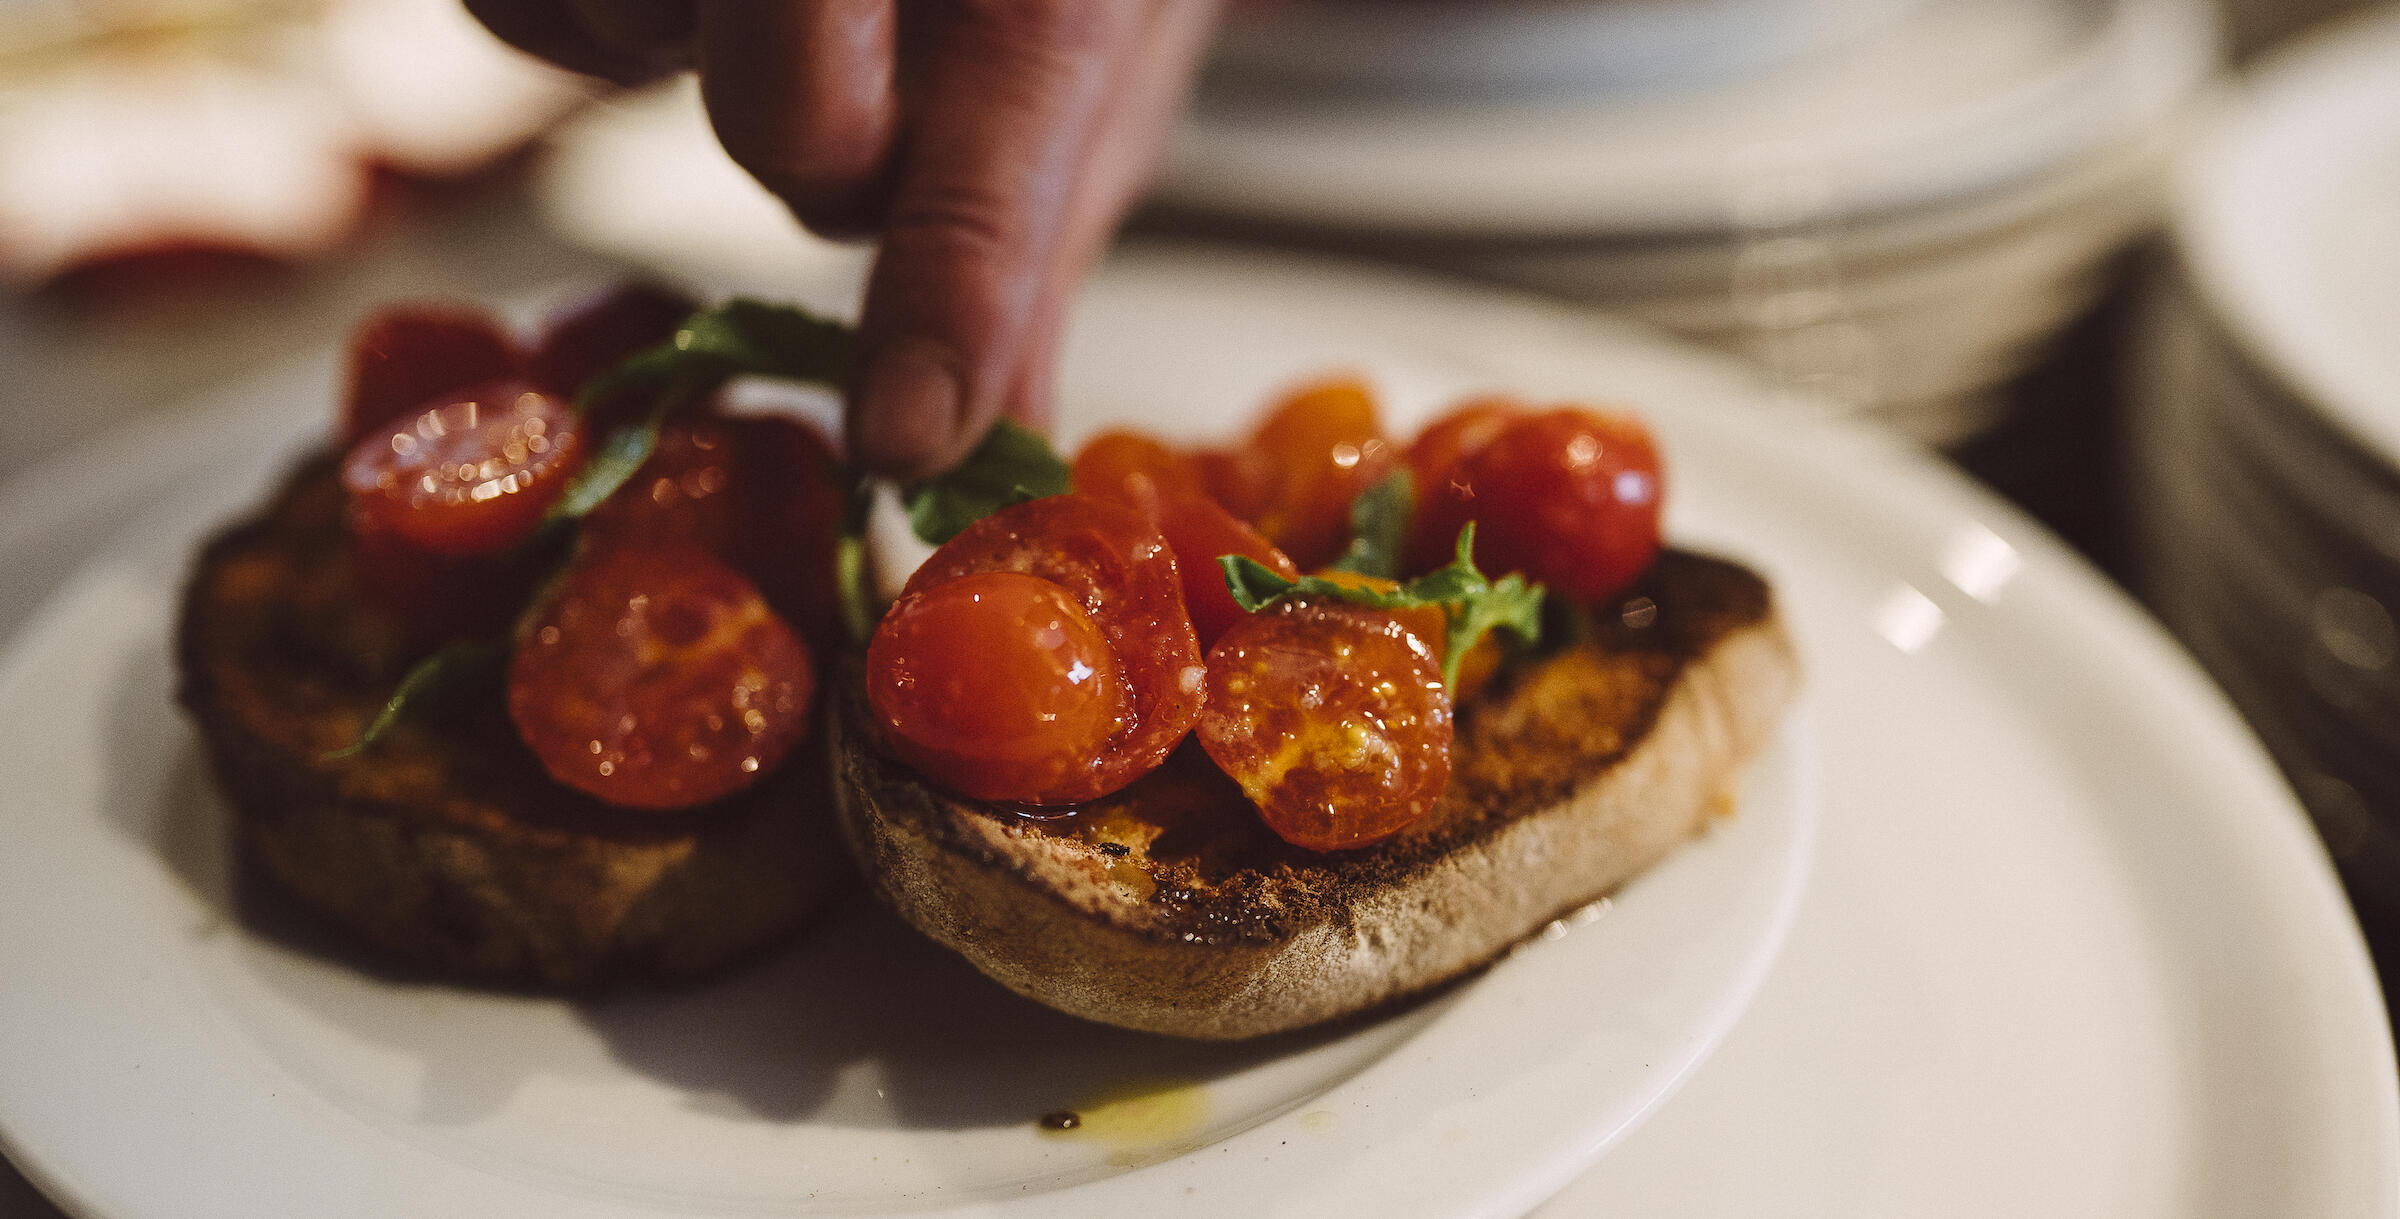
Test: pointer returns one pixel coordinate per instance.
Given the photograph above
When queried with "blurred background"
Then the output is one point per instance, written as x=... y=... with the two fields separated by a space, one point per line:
x=2130 y=262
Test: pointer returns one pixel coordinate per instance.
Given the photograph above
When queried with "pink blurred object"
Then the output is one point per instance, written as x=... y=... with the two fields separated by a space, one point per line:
x=249 y=131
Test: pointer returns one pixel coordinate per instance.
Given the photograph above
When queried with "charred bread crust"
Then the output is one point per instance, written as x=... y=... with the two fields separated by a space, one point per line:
x=1169 y=907
x=446 y=843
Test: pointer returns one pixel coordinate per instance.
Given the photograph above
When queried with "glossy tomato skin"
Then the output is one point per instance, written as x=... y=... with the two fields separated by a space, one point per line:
x=1569 y=497
x=1315 y=452
x=655 y=677
x=998 y=686
x=1434 y=461
x=472 y=474
x=1143 y=473
x=1119 y=569
x=403 y=357
x=1333 y=720
x=593 y=335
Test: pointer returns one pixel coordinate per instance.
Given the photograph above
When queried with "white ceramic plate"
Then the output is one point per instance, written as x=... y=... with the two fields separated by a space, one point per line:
x=2283 y=213
x=1957 y=96
x=865 y=1071
x=2067 y=949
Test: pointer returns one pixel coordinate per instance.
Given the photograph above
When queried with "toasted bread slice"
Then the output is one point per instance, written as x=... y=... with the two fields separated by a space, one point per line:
x=1170 y=907
x=446 y=843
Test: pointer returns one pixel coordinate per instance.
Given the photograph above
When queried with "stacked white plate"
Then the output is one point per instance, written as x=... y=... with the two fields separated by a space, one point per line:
x=1893 y=218
x=2268 y=434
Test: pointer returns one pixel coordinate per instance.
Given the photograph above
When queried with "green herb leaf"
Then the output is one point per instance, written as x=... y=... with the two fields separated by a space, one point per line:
x=1379 y=527
x=432 y=678
x=739 y=337
x=1014 y=463
x=1471 y=603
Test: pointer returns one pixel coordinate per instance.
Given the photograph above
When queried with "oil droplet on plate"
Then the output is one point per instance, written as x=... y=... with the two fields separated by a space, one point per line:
x=1138 y=1123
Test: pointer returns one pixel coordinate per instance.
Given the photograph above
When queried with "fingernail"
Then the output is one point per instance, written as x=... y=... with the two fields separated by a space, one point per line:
x=908 y=408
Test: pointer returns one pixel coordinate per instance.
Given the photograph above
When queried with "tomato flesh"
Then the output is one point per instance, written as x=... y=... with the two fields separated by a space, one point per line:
x=1143 y=473
x=472 y=474
x=999 y=686
x=760 y=492
x=1333 y=720
x=403 y=357
x=1569 y=497
x=655 y=677
x=1119 y=569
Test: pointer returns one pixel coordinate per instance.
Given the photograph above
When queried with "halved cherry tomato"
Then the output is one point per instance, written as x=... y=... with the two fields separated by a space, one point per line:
x=471 y=474
x=760 y=492
x=1434 y=458
x=1138 y=471
x=1475 y=669
x=655 y=677
x=998 y=685
x=1333 y=719
x=1569 y=497
x=1118 y=568
x=404 y=356
x=590 y=337
x=1317 y=450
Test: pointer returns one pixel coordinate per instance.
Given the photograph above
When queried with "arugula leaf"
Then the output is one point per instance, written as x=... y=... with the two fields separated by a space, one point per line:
x=1014 y=463
x=1471 y=603
x=1379 y=527
x=736 y=338
x=432 y=678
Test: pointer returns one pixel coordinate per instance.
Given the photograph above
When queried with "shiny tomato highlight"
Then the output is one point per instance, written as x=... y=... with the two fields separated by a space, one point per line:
x=655 y=677
x=472 y=474
x=1333 y=720
x=1143 y=473
x=1118 y=568
x=1571 y=498
x=999 y=686
x=1317 y=450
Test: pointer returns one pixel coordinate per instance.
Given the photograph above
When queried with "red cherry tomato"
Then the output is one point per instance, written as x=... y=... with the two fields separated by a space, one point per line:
x=472 y=474
x=404 y=356
x=1333 y=719
x=657 y=678
x=1434 y=458
x=1118 y=568
x=1318 y=449
x=1569 y=497
x=999 y=686
x=761 y=493
x=1142 y=473
x=590 y=337
x=788 y=491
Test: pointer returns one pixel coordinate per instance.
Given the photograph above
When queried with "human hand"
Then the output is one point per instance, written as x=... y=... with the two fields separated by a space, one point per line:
x=992 y=144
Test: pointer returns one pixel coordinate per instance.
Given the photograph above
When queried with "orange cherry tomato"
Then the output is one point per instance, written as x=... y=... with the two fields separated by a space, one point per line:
x=1140 y=472
x=1333 y=719
x=404 y=356
x=999 y=686
x=472 y=474
x=1119 y=569
x=1317 y=450
x=1434 y=458
x=1476 y=669
x=1569 y=497
x=655 y=677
